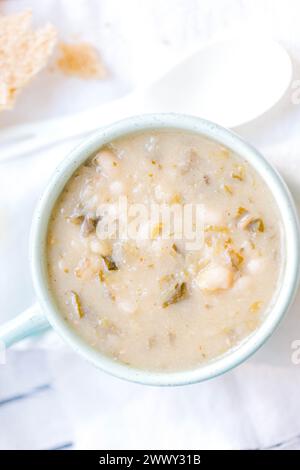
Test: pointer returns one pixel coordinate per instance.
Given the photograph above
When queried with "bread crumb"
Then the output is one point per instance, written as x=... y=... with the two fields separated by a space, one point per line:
x=81 y=60
x=23 y=53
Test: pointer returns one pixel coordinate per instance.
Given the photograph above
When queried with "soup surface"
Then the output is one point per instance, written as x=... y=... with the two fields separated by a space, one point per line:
x=153 y=300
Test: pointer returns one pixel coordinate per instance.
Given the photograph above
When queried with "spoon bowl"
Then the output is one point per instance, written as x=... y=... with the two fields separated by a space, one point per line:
x=230 y=82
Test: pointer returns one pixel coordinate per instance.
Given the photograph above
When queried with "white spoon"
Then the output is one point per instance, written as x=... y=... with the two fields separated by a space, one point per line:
x=229 y=82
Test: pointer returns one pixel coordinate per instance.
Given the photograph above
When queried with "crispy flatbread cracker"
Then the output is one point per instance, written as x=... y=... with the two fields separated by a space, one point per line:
x=23 y=53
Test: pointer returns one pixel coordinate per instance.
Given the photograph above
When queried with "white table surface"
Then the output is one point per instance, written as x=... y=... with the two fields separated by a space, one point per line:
x=49 y=397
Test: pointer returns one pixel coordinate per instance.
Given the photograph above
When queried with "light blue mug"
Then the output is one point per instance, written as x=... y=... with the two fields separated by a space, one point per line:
x=45 y=313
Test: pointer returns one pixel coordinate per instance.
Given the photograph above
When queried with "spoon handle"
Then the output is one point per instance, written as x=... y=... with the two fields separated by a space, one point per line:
x=28 y=138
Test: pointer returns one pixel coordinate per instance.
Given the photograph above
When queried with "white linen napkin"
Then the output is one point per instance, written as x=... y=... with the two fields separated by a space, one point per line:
x=49 y=397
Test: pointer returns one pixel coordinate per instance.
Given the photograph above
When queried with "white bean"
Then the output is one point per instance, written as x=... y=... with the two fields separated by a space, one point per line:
x=243 y=283
x=213 y=216
x=256 y=265
x=107 y=162
x=116 y=188
x=214 y=278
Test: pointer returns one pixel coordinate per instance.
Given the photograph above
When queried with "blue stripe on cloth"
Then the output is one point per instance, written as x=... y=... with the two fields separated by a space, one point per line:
x=23 y=396
x=64 y=446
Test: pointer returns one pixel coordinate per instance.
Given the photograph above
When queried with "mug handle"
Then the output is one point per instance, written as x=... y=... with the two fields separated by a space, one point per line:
x=28 y=323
